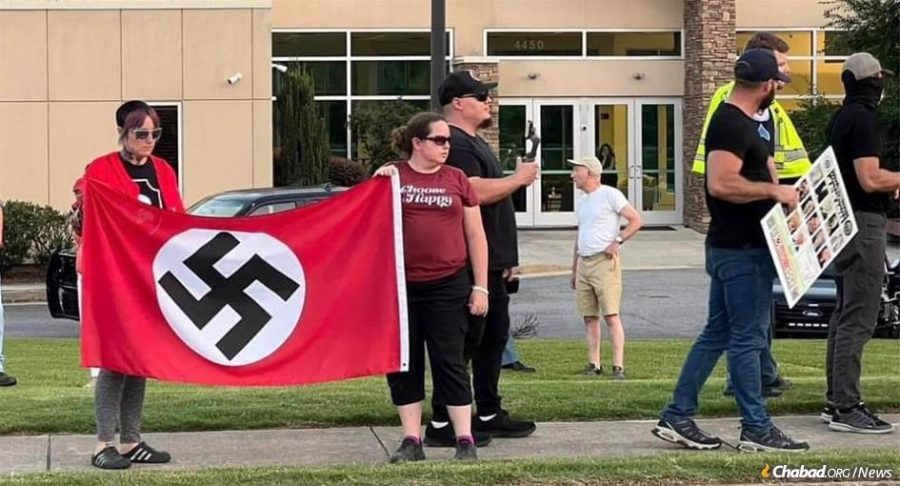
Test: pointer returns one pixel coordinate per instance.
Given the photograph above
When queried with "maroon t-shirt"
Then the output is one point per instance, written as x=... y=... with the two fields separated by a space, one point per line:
x=434 y=239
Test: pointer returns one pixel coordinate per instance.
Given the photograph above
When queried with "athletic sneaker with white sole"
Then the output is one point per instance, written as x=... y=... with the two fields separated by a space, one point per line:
x=686 y=434
x=859 y=420
x=770 y=440
x=827 y=413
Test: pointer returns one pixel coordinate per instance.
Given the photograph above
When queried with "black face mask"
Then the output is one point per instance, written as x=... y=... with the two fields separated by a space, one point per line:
x=868 y=90
x=768 y=100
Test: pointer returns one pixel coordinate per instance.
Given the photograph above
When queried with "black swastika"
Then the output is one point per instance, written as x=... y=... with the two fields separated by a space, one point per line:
x=228 y=292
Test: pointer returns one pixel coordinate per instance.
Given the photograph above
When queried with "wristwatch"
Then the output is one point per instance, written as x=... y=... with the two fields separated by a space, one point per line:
x=620 y=240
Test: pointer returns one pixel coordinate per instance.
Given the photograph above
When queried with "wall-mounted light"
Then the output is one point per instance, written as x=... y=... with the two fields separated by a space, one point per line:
x=235 y=78
x=533 y=76
x=638 y=76
x=281 y=68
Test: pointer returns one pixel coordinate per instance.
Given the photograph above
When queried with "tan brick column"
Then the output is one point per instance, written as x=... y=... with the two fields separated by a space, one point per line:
x=488 y=71
x=709 y=29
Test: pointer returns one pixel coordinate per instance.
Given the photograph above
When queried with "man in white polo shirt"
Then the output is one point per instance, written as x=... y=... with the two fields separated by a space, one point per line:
x=596 y=271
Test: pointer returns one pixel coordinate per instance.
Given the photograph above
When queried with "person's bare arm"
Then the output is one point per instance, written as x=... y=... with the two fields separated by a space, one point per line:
x=773 y=170
x=725 y=182
x=574 y=263
x=635 y=222
x=873 y=178
x=491 y=191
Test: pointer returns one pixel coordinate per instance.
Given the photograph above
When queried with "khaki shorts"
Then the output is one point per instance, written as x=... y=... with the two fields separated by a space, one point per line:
x=598 y=285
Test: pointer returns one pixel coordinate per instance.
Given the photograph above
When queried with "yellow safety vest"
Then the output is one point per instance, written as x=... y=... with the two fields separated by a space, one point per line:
x=791 y=158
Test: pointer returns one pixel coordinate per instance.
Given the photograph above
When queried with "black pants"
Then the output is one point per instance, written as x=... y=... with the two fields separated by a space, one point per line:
x=438 y=319
x=484 y=346
x=860 y=275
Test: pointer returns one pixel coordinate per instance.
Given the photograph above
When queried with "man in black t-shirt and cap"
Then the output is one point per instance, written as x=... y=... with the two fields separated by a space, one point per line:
x=741 y=187
x=853 y=134
x=466 y=104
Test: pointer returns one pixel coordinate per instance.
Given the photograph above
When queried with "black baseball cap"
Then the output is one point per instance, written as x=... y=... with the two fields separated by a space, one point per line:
x=757 y=66
x=461 y=83
x=126 y=108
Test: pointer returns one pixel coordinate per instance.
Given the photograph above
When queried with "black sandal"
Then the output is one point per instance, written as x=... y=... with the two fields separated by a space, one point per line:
x=109 y=458
x=144 y=454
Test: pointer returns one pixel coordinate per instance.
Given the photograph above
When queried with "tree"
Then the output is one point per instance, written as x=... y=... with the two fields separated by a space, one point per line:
x=811 y=120
x=372 y=125
x=873 y=26
x=305 y=149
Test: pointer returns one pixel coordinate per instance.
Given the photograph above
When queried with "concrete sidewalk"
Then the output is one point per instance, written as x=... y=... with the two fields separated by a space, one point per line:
x=372 y=445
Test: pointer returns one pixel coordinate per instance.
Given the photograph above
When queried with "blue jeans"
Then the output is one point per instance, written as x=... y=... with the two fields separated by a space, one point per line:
x=2 y=325
x=740 y=294
x=510 y=355
x=768 y=365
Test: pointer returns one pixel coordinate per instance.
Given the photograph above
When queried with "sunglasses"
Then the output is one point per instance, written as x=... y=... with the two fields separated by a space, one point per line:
x=482 y=97
x=143 y=133
x=439 y=140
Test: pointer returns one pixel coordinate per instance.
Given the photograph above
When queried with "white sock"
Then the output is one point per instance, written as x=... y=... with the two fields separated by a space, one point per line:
x=439 y=425
x=487 y=418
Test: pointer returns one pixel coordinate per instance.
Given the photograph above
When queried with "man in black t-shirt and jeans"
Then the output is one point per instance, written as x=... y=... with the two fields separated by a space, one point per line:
x=853 y=134
x=467 y=107
x=741 y=187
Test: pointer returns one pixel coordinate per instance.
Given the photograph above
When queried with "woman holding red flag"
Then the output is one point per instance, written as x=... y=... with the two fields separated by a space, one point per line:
x=442 y=236
x=135 y=172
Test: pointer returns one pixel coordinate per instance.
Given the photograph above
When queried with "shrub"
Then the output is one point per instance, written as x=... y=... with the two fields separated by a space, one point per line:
x=372 y=124
x=345 y=172
x=31 y=233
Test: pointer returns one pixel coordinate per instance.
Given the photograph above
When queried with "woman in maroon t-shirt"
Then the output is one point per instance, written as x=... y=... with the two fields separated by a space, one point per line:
x=443 y=243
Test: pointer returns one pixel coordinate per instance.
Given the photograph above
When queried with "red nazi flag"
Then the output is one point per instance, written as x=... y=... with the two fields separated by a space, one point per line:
x=305 y=296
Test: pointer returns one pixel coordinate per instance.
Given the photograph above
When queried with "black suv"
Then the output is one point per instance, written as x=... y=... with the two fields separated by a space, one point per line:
x=811 y=314
x=62 y=279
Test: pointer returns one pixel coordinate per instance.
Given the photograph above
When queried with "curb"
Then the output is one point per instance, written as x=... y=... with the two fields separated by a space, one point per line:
x=29 y=295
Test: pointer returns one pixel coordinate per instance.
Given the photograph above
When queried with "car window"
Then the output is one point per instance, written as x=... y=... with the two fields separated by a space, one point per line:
x=273 y=208
x=305 y=202
x=218 y=208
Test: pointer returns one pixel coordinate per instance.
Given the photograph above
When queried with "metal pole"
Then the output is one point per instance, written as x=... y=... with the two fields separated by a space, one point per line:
x=438 y=49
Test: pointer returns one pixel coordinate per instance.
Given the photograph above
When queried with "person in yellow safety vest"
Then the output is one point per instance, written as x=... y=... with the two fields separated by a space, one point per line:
x=791 y=158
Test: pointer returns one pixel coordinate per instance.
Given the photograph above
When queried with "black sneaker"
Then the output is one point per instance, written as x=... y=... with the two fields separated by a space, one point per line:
x=143 y=453
x=591 y=370
x=860 y=420
x=771 y=440
x=6 y=380
x=109 y=458
x=518 y=366
x=687 y=434
x=827 y=413
x=465 y=451
x=410 y=450
x=781 y=383
x=618 y=373
x=444 y=436
x=503 y=426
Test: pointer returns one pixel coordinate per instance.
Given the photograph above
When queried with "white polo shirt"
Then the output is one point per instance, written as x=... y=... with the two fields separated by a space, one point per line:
x=598 y=219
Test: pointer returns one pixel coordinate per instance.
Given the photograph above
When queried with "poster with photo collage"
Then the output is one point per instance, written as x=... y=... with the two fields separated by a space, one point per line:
x=805 y=240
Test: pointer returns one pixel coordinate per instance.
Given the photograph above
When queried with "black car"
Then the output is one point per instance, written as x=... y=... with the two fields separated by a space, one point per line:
x=62 y=279
x=811 y=314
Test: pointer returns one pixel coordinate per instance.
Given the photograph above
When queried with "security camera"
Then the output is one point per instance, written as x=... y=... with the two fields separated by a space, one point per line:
x=233 y=79
x=281 y=68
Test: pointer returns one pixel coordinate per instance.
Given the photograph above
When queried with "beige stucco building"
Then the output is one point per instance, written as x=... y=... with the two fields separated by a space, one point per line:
x=625 y=80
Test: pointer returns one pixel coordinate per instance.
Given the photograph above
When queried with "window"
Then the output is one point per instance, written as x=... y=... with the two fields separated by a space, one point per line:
x=272 y=208
x=815 y=59
x=534 y=44
x=628 y=44
x=350 y=67
x=583 y=43
x=169 y=145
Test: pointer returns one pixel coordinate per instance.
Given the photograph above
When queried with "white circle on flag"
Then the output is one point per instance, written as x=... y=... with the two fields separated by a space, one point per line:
x=237 y=272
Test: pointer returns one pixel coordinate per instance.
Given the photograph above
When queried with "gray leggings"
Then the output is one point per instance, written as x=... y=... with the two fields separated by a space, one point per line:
x=118 y=396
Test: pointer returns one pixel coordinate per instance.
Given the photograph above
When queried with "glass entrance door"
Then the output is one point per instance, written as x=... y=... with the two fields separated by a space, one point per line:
x=638 y=142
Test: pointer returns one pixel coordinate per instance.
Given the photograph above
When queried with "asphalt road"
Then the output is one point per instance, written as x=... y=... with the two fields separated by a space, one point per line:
x=656 y=304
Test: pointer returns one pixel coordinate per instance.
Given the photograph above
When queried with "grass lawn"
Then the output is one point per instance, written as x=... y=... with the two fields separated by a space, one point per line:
x=700 y=468
x=51 y=397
